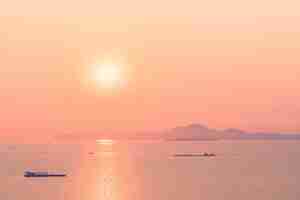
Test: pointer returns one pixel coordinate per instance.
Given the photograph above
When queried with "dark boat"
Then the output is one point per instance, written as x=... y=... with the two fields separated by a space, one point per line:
x=29 y=174
x=194 y=155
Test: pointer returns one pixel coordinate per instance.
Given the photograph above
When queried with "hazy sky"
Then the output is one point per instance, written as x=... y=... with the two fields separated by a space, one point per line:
x=222 y=63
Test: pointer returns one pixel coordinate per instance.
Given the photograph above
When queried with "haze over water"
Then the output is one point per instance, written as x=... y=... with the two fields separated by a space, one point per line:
x=76 y=70
x=267 y=170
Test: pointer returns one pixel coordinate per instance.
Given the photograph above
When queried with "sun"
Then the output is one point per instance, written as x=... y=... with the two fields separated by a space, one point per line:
x=108 y=75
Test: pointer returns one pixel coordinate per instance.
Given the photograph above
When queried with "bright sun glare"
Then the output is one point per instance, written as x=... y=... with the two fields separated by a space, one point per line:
x=108 y=75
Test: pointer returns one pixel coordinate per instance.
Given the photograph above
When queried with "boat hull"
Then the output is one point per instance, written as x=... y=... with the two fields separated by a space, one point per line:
x=194 y=155
x=43 y=176
x=29 y=174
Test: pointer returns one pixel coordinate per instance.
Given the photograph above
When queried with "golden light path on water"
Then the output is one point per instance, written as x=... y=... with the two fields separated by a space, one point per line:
x=106 y=174
x=106 y=142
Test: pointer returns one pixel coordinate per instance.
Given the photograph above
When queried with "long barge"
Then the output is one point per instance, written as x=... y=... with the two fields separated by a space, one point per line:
x=30 y=174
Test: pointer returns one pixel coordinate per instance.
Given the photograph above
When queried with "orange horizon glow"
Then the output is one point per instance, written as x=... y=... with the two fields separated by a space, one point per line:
x=223 y=64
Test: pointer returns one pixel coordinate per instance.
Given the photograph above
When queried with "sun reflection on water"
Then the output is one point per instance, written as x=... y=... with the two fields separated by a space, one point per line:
x=106 y=174
x=106 y=141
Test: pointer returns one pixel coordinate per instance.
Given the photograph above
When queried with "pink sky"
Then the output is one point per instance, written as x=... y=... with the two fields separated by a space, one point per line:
x=224 y=64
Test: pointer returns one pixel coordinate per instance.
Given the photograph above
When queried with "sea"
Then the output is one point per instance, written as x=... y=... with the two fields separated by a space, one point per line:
x=148 y=170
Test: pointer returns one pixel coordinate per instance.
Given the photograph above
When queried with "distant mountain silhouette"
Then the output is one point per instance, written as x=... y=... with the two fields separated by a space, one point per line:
x=201 y=132
x=190 y=132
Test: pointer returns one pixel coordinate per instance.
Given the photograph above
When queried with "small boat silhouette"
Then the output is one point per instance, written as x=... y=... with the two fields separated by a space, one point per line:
x=195 y=155
x=43 y=174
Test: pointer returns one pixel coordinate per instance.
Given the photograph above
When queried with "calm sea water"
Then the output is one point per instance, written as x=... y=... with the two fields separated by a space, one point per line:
x=267 y=170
